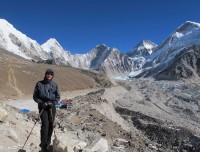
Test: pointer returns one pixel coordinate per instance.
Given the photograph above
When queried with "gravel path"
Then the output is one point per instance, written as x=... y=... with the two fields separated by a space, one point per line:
x=31 y=105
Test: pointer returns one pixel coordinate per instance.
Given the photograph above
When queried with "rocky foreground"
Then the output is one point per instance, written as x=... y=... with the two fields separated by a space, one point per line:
x=139 y=115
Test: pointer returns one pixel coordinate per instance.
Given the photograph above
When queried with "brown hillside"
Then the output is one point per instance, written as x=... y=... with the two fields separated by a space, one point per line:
x=19 y=76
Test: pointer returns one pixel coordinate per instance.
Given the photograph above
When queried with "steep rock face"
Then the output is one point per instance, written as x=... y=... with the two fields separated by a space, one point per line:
x=82 y=61
x=186 y=64
x=110 y=60
x=18 y=43
x=102 y=52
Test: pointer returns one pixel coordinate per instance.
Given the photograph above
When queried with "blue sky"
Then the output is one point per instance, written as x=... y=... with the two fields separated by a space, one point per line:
x=80 y=25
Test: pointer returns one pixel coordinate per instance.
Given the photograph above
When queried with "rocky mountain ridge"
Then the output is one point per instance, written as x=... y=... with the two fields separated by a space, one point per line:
x=52 y=52
x=170 y=56
x=146 y=59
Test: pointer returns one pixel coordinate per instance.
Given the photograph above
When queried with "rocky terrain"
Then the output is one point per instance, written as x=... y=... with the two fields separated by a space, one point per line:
x=132 y=116
x=166 y=112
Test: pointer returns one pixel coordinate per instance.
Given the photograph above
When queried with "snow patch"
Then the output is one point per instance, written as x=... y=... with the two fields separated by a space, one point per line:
x=123 y=78
x=8 y=34
x=135 y=73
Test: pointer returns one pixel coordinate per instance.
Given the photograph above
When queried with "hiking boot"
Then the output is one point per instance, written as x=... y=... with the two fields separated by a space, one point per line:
x=48 y=147
x=45 y=148
x=48 y=144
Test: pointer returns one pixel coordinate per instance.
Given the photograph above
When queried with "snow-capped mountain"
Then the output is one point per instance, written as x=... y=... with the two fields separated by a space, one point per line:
x=55 y=50
x=177 y=57
x=101 y=58
x=139 y=53
x=62 y=57
x=18 y=43
x=82 y=61
x=184 y=65
x=143 y=49
x=110 y=60
x=186 y=37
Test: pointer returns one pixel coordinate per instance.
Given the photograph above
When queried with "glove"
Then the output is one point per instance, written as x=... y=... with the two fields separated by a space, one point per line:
x=49 y=104
x=42 y=105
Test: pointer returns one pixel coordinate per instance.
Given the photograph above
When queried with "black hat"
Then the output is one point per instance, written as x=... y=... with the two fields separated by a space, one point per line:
x=49 y=71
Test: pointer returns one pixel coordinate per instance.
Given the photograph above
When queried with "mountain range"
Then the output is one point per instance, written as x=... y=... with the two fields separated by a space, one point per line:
x=176 y=57
x=124 y=115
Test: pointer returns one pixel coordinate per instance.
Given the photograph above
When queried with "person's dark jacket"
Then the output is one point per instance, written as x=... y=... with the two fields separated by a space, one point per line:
x=46 y=91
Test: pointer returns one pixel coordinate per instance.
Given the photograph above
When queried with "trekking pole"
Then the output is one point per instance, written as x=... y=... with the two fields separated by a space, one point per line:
x=53 y=125
x=32 y=129
x=53 y=130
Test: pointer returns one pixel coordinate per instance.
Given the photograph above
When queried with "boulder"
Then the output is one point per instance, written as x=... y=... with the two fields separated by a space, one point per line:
x=120 y=143
x=80 y=146
x=71 y=145
x=58 y=146
x=12 y=135
x=99 y=145
x=3 y=114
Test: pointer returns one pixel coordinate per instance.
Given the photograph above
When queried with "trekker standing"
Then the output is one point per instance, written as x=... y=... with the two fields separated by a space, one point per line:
x=46 y=94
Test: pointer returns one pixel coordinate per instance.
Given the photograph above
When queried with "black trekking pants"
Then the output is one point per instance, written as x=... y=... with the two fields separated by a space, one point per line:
x=47 y=118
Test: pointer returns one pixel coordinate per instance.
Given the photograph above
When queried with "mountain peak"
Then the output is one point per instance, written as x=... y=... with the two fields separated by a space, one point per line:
x=105 y=47
x=18 y=43
x=102 y=46
x=143 y=48
x=147 y=43
x=52 y=42
x=3 y=21
x=6 y=26
x=188 y=25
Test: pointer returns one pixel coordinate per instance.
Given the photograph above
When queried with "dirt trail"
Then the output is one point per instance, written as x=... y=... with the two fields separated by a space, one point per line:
x=12 y=79
x=111 y=95
x=31 y=105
